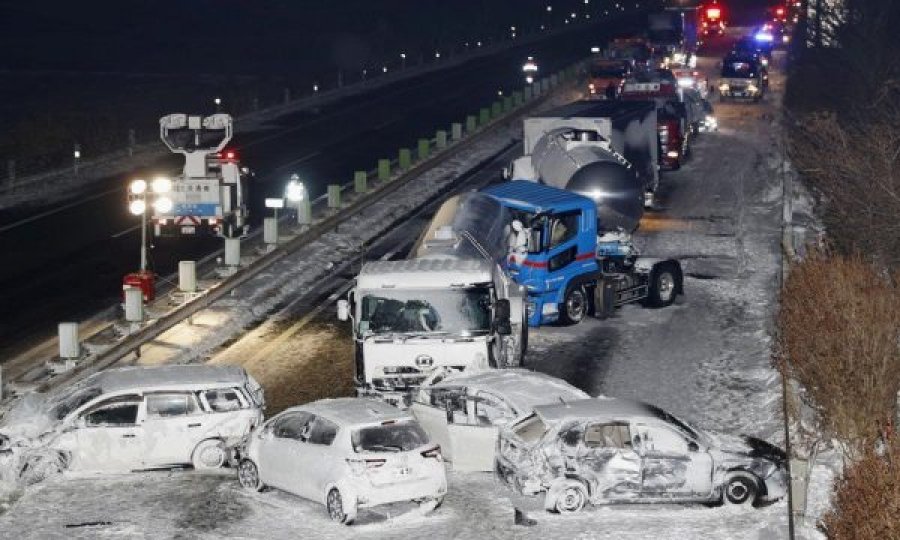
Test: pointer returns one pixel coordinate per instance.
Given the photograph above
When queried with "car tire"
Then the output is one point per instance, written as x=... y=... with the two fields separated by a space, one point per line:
x=209 y=454
x=248 y=476
x=663 y=286
x=575 y=306
x=740 y=489
x=338 y=509
x=571 y=497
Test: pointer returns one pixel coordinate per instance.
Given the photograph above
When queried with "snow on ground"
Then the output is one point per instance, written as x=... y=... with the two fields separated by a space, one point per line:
x=706 y=359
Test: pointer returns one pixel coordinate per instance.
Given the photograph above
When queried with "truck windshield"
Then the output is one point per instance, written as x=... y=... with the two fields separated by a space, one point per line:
x=426 y=311
x=608 y=71
x=740 y=70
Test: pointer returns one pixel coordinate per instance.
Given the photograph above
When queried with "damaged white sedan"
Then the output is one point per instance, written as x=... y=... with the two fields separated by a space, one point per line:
x=462 y=411
x=346 y=453
x=608 y=450
x=129 y=419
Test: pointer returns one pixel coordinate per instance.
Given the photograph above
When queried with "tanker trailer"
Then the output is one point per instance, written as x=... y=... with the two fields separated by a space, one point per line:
x=592 y=147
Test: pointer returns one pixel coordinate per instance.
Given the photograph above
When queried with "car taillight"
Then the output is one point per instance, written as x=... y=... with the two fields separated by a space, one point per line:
x=360 y=466
x=432 y=453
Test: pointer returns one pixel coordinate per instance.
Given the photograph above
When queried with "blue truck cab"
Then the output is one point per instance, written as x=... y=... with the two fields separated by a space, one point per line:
x=568 y=274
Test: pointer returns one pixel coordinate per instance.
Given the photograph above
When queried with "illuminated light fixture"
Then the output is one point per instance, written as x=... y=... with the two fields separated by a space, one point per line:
x=137 y=207
x=138 y=187
x=163 y=205
x=161 y=184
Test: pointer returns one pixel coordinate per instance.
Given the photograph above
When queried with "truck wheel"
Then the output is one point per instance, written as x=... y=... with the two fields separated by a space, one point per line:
x=575 y=306
x=664 y=285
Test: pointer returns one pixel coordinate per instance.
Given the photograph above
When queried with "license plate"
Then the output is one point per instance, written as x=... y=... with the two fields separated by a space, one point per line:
x=189 y=229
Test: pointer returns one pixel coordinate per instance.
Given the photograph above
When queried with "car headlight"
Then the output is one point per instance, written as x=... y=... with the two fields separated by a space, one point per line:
x=724 y=88
x=752 y=88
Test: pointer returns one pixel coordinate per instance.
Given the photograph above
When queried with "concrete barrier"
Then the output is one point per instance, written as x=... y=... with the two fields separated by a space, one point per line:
x=384 y=170
x=423 y=149
x=360 y=179
x=334 y=195
x=440 y=139
x=484 y=116
x=404 y=159
x=471 y=124
x=496 y=109
x=456 y=130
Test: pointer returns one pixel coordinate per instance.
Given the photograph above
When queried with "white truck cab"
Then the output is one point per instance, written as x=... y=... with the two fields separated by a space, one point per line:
x=412 y=316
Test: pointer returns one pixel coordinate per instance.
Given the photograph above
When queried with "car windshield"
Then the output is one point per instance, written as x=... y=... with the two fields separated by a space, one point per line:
x=401 y=437
x=530 y=429
x=433 y=311
x=666 y=417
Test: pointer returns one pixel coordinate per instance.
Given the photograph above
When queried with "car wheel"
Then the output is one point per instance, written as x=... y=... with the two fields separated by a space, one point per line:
x=575 y=306
x=338 y=510
x=209 y=454
x=741 y=489
x=248 y=475
x=571 y=498
x=663 y=285
x=430 y=504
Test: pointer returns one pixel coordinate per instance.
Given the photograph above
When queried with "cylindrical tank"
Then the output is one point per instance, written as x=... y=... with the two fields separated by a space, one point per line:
x=593 y=171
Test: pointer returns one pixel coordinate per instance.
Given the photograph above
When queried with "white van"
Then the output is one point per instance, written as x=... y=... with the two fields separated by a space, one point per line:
x=133 y=418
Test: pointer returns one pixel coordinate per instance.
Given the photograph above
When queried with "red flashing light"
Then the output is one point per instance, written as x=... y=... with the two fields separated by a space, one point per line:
x=779 y=11
x=230 y=155
x=713 y=13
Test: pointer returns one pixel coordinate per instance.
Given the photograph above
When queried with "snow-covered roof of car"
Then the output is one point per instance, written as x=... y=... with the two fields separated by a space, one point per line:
x=601 y=408
x=423 y=273
x=519 y=388
x=139 y=377
x=354 y=411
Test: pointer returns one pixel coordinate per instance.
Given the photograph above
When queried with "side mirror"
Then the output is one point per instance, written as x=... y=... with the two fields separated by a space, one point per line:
x=343 y=310
x=693 y=447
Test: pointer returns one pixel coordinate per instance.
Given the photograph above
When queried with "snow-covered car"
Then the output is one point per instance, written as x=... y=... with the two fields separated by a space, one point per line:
x=608 y=450
x=462 y=411
x=346 y=453
x=132 y=418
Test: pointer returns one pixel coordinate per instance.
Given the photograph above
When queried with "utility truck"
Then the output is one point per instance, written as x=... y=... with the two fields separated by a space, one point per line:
x=210 y=196
x=572 y=145
x=578 y=258
x=449 y=305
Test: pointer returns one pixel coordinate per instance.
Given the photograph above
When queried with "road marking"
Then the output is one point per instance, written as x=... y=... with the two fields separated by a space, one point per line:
x=126 y=231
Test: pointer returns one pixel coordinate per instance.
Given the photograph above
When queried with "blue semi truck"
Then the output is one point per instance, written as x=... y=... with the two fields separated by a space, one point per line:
x=570 y=262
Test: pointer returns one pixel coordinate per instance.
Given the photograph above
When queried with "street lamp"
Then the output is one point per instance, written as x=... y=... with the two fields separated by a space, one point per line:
x=156 y=193
x=403 y=60
x=218 y=102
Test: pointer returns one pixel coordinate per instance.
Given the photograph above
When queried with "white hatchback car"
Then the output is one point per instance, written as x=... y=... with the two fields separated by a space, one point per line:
x=132 y=418
x=345 y=453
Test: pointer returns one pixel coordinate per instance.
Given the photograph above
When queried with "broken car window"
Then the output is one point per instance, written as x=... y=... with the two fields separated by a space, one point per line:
x=531 y=429
x=607 y=436
x=223 y=400
x=166 y=405
x=291 y=425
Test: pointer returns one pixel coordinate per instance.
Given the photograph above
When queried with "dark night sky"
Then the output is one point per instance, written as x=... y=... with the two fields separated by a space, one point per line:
x=250 y=36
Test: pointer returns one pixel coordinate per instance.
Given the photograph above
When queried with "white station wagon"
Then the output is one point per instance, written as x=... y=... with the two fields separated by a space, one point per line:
x=132 y=418
x=345 y=453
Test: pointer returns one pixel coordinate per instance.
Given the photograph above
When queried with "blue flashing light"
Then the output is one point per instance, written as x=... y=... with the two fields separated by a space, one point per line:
x=764 y=36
